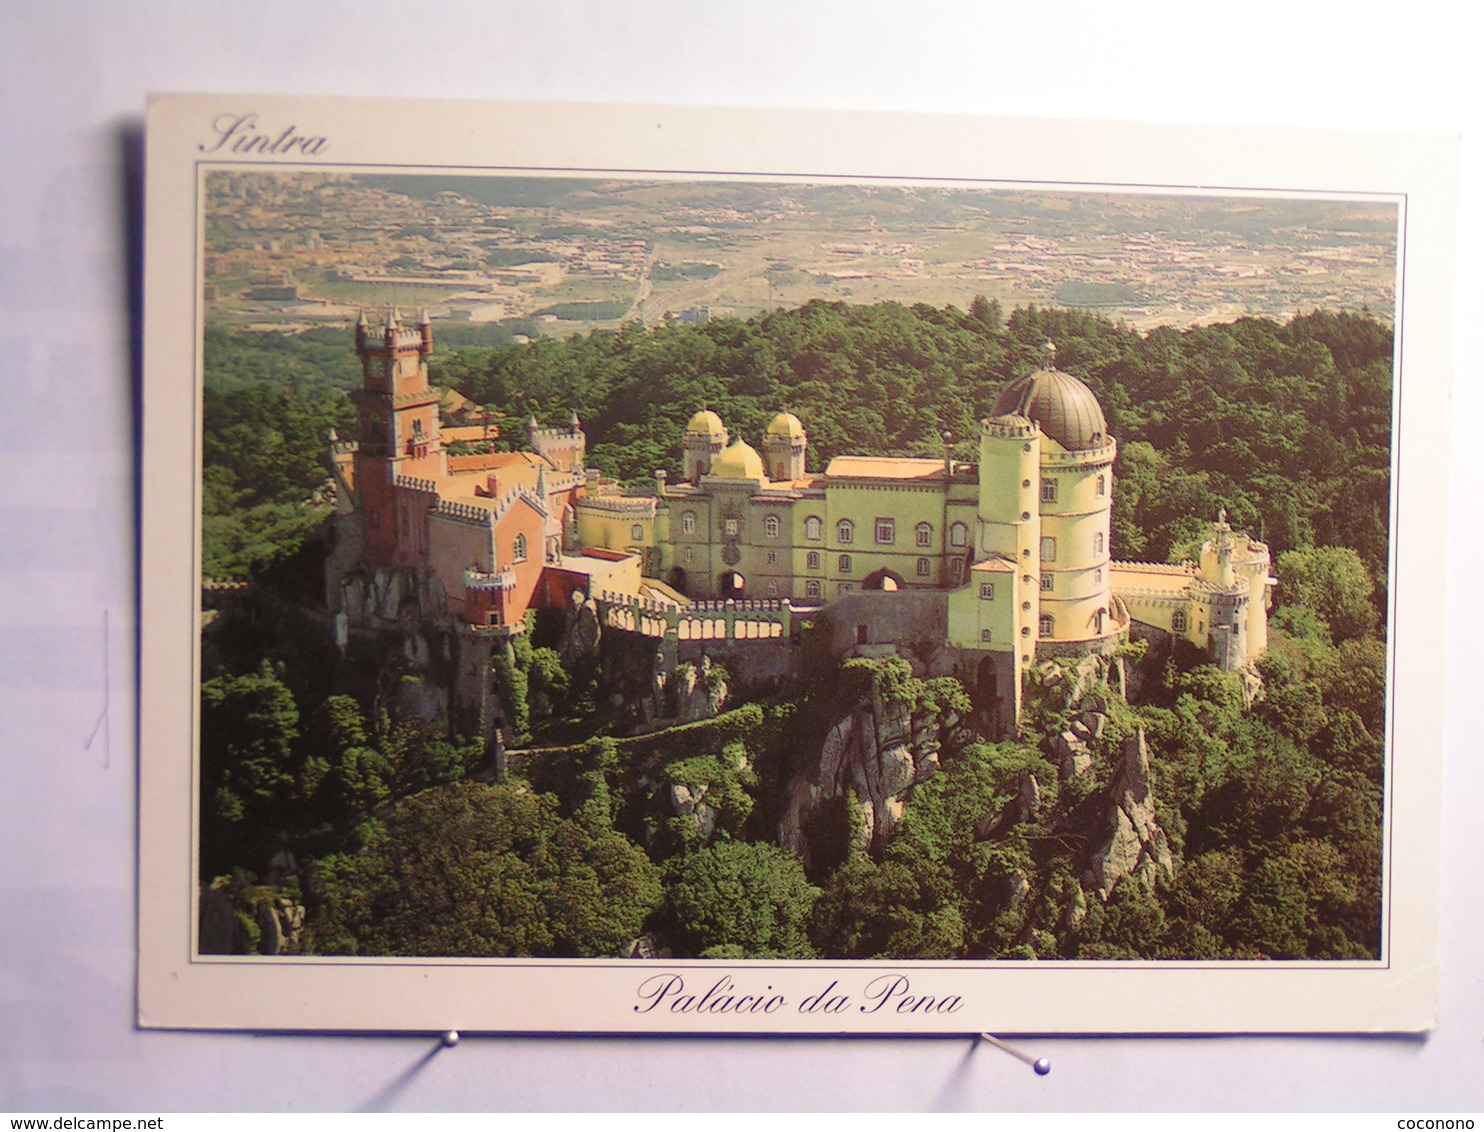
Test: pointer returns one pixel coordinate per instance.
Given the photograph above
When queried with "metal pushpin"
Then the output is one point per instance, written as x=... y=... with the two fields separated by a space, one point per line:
x=451 y=1039
x=1042 y=1065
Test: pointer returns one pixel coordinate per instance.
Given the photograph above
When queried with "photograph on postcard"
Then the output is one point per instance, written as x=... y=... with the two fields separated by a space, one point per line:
x=712 y=568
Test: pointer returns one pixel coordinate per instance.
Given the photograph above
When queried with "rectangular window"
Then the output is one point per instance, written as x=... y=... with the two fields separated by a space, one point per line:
x=844 y=588
x=957 y=567
x=1178 y=622
x=886 y=531
x=1048 y=550
x=845 y=564
x=729 y=527
x=772 y=558
x=813 y=560
x=986 y=591
x=1048 y=491
x=1097 y=542
x=1048 y=583
x=924 y=567
x=985 y=635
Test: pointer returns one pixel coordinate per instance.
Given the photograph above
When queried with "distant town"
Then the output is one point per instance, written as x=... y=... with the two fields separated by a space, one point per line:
x=287 y=252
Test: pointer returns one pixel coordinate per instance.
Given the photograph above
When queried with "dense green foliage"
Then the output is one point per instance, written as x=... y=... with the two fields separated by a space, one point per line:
x=481 y=870
x=739 y=900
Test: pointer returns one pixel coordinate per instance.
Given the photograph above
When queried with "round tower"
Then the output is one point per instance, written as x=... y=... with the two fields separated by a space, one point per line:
x=1071 y=501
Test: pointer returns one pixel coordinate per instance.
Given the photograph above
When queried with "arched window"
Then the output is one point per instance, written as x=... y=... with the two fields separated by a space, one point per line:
x=688 y=522
x=1178 y=621
x=812 y=562
x=1048 y=625
x=770 y=526
x=845 y=564
x=772 y=589
x=958 y=535
x=811 y=589
x=924 y=567
x=636 y=532
x=518 y=550
x=845 y=531
x=1102 y=485
x=690 y=555
x=1048 y=549
x=813 y=528
x=1097 y=542
x=924 y=534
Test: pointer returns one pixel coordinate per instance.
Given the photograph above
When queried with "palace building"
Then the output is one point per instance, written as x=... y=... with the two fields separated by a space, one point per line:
x=983 y=567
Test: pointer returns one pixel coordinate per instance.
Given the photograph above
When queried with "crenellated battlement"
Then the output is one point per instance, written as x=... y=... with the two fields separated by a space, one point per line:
x=500 y=581
x=723 y=620
x=464 y=512
x=619 y=505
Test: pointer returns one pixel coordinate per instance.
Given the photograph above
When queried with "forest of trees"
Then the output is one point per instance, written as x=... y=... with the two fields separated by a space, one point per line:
x=318 y=786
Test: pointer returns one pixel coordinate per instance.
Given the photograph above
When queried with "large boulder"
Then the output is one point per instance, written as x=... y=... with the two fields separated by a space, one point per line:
x=1134 y=844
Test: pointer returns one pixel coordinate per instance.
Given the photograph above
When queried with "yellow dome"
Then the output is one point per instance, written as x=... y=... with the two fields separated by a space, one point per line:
x=739 y=462
x=786 y=425
x=706 y=423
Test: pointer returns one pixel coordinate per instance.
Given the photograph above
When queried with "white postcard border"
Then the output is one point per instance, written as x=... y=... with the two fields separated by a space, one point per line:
x=179 y=989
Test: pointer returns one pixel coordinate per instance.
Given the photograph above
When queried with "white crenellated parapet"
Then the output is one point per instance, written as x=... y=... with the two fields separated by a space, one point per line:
x=750 y=619
x=500 y=580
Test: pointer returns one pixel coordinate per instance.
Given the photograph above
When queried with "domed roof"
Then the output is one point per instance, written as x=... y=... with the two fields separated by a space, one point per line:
x=786 y=425
x=1066 y=410
x=739 y=462
x=706 y=423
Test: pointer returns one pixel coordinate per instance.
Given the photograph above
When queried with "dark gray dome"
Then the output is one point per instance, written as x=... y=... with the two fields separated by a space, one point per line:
x=1065 y=409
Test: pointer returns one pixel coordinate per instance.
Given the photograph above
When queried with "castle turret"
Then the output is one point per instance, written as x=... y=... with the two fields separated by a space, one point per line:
x=399 y=425
x=564 y=448
x=1234 y=569
x=705 y=439
x=784 y=447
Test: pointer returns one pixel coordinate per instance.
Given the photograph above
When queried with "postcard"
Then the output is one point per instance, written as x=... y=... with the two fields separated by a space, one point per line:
x=661 y=570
